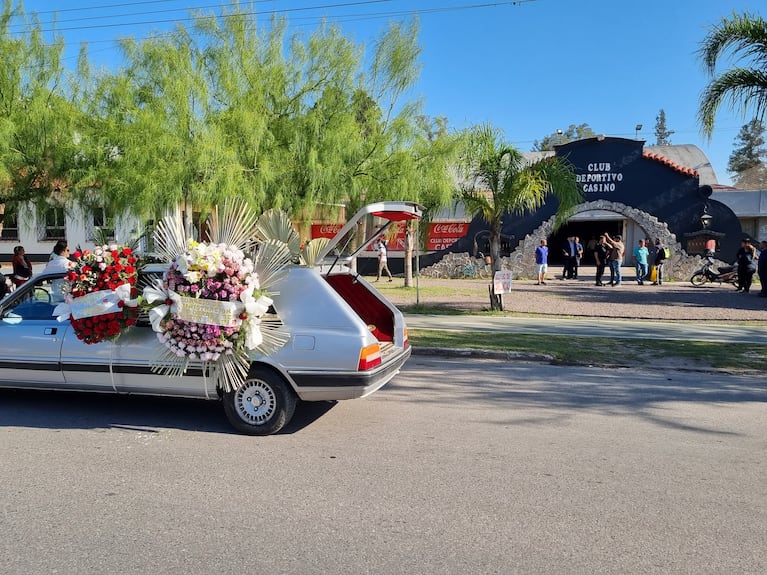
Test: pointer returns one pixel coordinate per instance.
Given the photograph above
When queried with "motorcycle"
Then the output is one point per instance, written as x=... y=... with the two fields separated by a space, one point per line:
x=706 y=274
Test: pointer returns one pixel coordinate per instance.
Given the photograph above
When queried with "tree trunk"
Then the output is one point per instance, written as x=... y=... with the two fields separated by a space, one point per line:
x=408 y=256
x=495 y=256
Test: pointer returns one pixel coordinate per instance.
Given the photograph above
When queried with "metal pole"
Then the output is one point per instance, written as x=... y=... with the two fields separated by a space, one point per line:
x=417 y=265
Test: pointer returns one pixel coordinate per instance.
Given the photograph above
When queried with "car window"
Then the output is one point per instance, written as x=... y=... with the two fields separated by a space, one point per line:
x=35 y=301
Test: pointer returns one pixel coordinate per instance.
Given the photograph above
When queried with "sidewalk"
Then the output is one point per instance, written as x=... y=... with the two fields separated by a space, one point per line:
x=590 y=327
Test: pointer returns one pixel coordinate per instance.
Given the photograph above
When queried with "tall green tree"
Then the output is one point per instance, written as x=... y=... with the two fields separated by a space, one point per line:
x=744 y=38
x=748 y=161
x=225 y=108
x=662 y=133
x=559 y=137
x=38 y=121
x=495 y=179
x=148 y=146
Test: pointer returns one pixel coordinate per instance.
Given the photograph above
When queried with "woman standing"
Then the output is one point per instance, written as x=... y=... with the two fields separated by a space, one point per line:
x=746 y=265
x=22 y=267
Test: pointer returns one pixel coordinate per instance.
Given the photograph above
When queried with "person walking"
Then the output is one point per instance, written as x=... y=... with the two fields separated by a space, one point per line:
x=541 y=262
x=640 y=260
x=746 y=265
x=383 y=266
x=617 y=250
x=601 y=253
x=660 y=257
x=762 y=267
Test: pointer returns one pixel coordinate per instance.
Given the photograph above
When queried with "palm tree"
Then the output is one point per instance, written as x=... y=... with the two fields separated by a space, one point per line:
x=495 y=178
x=744 y=37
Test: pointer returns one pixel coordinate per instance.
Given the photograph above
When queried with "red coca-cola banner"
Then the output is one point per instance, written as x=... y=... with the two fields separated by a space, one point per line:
x=442 y=235
x=325 y=230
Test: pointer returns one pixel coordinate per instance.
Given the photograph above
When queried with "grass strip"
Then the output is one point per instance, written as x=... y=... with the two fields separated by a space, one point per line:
x=603 y=351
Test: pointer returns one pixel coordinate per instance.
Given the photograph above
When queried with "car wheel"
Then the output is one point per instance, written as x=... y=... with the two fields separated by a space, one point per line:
x=262 y=405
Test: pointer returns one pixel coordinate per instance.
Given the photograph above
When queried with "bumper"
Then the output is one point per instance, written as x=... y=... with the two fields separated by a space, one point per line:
x=338 y=385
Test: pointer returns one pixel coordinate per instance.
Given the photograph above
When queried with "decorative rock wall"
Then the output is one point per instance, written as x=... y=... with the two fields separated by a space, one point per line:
x=522 y=260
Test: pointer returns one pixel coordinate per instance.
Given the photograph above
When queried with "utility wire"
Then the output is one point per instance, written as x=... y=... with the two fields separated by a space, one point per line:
x=349 y=17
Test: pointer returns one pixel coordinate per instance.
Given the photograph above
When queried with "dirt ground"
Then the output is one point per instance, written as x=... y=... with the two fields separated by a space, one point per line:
x=581 y=298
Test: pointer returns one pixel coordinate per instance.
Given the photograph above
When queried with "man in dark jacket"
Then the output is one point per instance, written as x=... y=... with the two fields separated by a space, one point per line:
x=762 y=267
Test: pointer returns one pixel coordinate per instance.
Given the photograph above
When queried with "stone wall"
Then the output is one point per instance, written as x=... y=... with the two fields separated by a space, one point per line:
x=679 y=267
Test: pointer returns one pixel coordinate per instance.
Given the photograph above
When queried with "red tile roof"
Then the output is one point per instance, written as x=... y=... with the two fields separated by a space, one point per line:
x=673 y=165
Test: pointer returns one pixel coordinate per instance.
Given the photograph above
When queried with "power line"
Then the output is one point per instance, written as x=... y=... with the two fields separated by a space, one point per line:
x=352 y=17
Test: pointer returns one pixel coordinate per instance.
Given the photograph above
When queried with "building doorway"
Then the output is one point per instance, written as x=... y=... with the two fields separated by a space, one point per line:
x=586 y=230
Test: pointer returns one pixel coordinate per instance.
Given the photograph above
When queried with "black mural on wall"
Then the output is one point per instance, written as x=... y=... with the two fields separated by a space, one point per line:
x=616 y=170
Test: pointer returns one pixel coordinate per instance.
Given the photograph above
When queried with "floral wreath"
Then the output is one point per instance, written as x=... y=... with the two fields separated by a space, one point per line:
x=100 y=302
x=211 y=305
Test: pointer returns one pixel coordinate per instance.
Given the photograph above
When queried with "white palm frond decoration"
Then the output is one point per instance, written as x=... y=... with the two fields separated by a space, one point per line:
x=312 y=250
x=274 y=334
x=169 y=237
x=168 y=363
x=234 y=224
x=270 y=260
x=229 y=371
x=276 y=225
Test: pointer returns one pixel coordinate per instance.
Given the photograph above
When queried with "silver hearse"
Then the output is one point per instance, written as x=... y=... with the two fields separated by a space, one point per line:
x=346 y=341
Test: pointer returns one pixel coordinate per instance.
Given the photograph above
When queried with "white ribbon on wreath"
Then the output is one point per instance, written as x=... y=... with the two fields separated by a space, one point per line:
x=95 y=303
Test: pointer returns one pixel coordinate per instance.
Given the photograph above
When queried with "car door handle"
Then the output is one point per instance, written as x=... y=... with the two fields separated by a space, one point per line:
x=51 y=330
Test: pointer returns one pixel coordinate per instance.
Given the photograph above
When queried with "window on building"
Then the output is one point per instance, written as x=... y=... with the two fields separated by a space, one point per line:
x=55 y=224
x=10 y=223
x=103 y=230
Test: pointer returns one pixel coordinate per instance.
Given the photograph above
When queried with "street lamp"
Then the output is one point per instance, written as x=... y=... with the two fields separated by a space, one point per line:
x=636 y=131
x=559 y=136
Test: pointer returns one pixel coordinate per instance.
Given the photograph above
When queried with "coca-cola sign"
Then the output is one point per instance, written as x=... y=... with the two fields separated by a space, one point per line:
x=325 y=230
x=442 y=235
x=449 y=229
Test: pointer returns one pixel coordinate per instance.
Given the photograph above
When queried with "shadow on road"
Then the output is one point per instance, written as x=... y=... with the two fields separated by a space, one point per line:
x=642 y=392
x=68 y=410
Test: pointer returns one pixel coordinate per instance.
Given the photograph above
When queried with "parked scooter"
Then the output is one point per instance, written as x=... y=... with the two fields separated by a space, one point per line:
x=706 y=274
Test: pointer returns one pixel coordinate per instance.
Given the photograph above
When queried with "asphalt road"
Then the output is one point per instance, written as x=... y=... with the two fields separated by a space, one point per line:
x=457 y=467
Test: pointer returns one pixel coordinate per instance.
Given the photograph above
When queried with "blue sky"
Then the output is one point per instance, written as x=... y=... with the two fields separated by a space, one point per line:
x=529 y=67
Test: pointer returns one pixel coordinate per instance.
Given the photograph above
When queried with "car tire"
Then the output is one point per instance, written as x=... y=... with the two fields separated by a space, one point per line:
x=262 y=405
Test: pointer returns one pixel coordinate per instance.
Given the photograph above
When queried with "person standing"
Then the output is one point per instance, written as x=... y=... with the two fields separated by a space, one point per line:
x=541 y=262
x=568 y=250
x=660 y=257
x=617 y=249
x=746 y=265
x=762 y=267
x=577 y=255
x=383 y=266
x=59 y=261
x=601 y=252
x=22 y=267
x=640 y=259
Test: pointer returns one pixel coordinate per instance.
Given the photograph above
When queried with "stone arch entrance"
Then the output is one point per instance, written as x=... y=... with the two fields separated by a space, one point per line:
x=680 y=265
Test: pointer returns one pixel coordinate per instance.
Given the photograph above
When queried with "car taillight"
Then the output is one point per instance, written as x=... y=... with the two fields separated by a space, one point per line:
x=406 y=340
x=370 y=357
